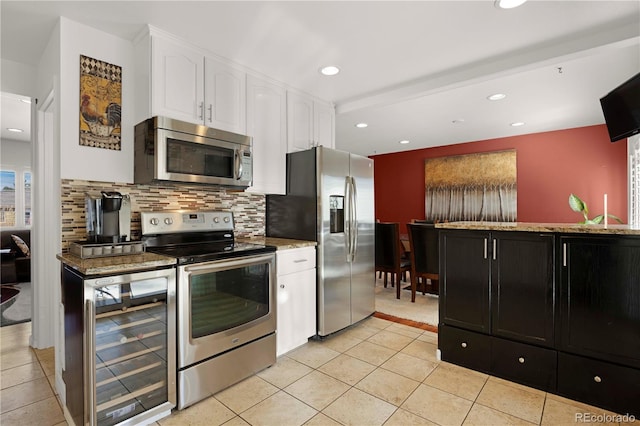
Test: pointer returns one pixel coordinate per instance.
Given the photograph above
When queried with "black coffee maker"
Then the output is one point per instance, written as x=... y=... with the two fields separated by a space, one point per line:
x=108 y=217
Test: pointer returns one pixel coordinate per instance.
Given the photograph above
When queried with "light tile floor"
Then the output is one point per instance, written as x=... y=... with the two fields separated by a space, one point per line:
x=376 y=372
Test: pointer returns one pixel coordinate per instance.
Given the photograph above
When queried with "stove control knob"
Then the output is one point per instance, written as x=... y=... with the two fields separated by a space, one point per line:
x=168 y=221
x=216 y=219
x=154 y=221
x=226 y=219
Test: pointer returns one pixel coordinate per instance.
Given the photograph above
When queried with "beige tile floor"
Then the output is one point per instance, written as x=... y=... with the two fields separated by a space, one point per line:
x=377 y=372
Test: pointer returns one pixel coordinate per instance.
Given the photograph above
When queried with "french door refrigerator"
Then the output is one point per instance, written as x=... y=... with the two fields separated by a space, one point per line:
x=330 y=200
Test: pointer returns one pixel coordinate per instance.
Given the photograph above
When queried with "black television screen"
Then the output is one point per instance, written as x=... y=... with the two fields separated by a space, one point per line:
x=621 y=108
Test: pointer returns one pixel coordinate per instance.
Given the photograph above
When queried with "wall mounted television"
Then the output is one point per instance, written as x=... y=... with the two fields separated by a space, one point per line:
x=621 y=108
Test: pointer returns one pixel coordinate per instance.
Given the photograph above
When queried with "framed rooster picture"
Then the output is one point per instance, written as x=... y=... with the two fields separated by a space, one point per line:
x=100 y=104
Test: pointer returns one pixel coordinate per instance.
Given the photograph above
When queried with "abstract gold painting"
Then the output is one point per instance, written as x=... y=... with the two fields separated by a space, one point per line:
x=475 y=187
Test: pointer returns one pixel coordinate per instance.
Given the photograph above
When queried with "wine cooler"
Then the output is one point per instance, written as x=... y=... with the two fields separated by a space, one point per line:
x=129 y=365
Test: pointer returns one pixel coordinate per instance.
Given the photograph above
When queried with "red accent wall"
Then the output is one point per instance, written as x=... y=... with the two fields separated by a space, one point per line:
x=551 y=165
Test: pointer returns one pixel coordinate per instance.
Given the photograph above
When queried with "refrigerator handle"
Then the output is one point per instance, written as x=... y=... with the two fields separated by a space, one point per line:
x=347 y=218
x=354 y=209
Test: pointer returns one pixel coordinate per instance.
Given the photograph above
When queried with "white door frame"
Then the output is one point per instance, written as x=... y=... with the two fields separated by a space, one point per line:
x=45 y=229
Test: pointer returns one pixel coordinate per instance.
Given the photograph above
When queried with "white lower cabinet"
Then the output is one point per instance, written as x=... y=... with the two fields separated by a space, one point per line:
x=296 y=297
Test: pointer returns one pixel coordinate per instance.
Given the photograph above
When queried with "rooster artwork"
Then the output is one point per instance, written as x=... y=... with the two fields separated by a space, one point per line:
x=100 y=104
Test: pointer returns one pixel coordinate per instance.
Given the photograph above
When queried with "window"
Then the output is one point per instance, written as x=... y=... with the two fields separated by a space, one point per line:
x=15 y=198
x=27 y=198
x=8 y=194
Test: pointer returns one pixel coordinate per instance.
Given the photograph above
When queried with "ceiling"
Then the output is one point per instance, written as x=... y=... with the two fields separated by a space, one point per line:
x=415 y=70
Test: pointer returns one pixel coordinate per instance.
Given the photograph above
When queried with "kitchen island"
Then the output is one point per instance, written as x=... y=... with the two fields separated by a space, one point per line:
x=552 y=306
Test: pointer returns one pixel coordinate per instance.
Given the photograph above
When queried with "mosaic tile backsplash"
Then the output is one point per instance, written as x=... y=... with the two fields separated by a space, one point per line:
x=248 y=209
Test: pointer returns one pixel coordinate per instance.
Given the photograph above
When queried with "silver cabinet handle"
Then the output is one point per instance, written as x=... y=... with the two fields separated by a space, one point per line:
x=201 y=117
x=564 y=254
x=210 y=113
x=464 y=344
x=494 y=248
x=597 y=379
x=521 y=360
x=485 y=248
x=300 y=260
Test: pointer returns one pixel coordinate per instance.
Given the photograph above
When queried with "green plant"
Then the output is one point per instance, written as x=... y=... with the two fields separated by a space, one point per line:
x=577 y=205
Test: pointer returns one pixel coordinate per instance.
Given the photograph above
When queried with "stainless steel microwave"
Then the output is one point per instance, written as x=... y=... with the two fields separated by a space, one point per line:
x=176 y=151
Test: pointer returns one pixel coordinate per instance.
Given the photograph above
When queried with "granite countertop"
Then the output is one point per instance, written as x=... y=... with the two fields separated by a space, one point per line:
x=115 y=264
x=542 y=227
x=280 y=243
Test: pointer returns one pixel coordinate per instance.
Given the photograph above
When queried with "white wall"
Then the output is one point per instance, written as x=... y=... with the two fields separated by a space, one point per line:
x=90 y=163
x=18 y=78
x=15 y=154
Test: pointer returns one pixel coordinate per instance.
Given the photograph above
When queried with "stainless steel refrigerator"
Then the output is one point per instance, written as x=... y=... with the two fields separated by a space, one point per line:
x=330 y=200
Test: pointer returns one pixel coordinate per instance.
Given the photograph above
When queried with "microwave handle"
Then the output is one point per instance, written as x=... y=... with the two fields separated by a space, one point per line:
x=237 y=159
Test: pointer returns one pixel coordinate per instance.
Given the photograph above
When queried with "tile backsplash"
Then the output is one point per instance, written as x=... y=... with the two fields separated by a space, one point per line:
x=248 y=208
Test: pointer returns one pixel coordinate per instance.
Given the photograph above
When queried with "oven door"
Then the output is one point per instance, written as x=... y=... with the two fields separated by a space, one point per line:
x=223 y=305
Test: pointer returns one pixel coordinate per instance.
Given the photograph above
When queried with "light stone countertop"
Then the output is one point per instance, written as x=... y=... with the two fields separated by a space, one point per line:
x=128 y=263
x=572 y=228
x=280 y=243
x=115 y=264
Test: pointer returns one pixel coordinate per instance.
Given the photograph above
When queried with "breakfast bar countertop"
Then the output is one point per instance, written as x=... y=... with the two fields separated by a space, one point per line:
x=569 y=228
x=115 y=264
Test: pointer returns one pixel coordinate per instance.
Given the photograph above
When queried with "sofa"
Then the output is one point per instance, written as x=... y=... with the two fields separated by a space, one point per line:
x=16 y=266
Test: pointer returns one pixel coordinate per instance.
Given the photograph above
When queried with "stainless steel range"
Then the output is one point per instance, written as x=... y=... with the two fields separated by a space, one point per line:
x=225 y=299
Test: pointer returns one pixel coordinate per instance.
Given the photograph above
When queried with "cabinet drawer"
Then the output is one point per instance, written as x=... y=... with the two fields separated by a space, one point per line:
x=465 y=348
x=522 y=363
x=605 y=385
x=295 y=260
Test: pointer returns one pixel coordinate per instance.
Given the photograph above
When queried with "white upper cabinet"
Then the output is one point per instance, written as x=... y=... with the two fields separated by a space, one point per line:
x=224 y=96
x=309 y=123
x=266 y=124
x=188 y=86
x=177 y=81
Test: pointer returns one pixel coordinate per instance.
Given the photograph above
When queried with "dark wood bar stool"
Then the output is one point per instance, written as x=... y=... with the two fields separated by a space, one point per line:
x=423 y=238
x=389 y=254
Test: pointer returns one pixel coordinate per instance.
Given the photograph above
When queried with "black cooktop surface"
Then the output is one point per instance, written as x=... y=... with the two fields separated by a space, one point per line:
x=210 y=251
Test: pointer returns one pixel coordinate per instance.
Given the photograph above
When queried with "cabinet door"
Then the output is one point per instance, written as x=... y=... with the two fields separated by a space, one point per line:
x=266 y=124
x=324 y=125
x=300 y=118
x=285 y=320
x=224 y=97
x=600 y=297
x=296 y=310
x=464 y=280
x=177 y=81
x=522 y=281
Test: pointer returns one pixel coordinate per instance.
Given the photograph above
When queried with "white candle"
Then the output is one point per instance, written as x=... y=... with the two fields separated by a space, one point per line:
x=606 y=217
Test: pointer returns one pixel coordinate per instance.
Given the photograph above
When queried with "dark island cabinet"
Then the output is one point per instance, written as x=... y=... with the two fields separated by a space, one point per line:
x=497 y=301
x=555 y=311
x=600 y=298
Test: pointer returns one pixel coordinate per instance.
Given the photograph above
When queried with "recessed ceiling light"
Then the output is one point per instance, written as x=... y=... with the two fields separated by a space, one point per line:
x=403 y=142
x=13 y=129
x=496 y=96
x=361 y=125
x=329 y=70
x=508 y=4
x=517 y=124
